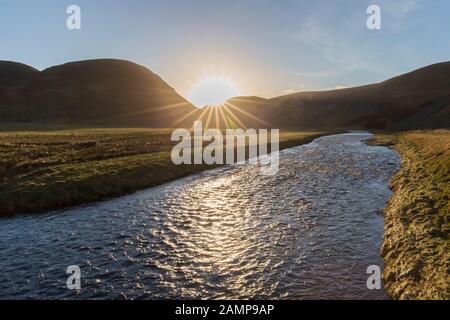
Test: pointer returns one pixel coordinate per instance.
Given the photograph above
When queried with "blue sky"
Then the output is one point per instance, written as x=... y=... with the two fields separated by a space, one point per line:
x=267 y=47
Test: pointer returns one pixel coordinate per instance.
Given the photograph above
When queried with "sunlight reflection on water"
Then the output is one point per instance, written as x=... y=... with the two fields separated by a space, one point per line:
x=308 y=232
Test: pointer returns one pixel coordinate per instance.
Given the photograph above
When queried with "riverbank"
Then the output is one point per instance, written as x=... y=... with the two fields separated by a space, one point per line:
x=308 y=232
x=47 y=170
x=416 y=247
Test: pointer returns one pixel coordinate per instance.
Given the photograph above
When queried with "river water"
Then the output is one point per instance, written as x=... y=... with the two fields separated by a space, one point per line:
x=309 y=232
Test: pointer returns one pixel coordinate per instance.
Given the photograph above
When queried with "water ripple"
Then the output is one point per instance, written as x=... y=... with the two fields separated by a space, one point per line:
x=308 y=232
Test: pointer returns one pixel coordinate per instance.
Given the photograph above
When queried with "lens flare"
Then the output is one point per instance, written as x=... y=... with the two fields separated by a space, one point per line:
x=213 y=91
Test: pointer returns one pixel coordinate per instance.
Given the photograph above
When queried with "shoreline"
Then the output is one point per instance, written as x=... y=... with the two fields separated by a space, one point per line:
x=72 y=184
x=416 y=242
x=218 y=201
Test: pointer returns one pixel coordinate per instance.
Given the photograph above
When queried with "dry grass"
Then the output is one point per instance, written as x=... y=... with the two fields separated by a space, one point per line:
x=416 y=247
x=44 y=170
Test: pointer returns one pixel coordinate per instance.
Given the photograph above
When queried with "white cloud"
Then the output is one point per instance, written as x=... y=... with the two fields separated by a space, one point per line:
x=293 y=89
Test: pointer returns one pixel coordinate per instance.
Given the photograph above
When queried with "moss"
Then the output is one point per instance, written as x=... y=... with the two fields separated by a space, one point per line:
x=416 y=243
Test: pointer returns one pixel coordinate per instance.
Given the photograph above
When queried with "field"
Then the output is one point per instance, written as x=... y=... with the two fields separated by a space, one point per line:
x=416 y=246
x=45 y=168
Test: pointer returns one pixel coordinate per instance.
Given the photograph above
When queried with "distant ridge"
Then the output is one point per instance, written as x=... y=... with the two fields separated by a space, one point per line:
x=418 y=99
x=122 y=93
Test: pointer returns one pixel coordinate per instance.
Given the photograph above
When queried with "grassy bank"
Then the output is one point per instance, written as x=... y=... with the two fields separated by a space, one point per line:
x=416 y=248
x=45 y=170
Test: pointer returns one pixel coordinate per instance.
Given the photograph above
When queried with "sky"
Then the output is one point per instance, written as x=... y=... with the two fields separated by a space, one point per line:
x=266 y=47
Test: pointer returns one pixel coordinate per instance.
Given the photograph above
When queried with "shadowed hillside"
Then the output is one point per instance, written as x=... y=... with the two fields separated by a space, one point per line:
x=93 y=92
x=13 y=73
x=121 y=93
x=419 y=99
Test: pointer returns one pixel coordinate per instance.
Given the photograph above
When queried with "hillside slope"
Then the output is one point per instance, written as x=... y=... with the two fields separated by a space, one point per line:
x=122 y=93
x=96 y=92
x=14 y=73
x=419 y=99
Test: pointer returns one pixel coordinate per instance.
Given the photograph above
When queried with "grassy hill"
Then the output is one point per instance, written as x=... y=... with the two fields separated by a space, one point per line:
x=95 y=92
x=14 y=73
x=111 y=92
x=419 y=99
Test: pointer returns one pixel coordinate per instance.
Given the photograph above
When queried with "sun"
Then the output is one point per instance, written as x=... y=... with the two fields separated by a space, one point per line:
x=213 y=91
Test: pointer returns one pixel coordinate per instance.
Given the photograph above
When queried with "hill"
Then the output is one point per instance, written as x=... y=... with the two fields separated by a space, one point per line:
x=96 y=92
x=121 y=93
x=419 y=99
x=14 y=73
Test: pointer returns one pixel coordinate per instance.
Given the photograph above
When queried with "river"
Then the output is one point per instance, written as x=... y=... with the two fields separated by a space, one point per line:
x=309 y=232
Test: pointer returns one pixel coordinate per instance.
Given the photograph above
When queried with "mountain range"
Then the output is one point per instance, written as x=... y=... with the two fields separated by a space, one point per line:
x=122 y=93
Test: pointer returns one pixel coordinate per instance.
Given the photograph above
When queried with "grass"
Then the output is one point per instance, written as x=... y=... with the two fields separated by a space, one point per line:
x=45 y=168
x=416 y=247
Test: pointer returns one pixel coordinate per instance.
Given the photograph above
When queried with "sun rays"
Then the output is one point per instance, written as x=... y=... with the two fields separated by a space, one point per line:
x=223 y=116
x=225 y=110
x=227 y=115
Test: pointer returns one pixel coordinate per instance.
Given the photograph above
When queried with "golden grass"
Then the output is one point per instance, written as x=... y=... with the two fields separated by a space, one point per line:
x=44 y=170
x=416 y=246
